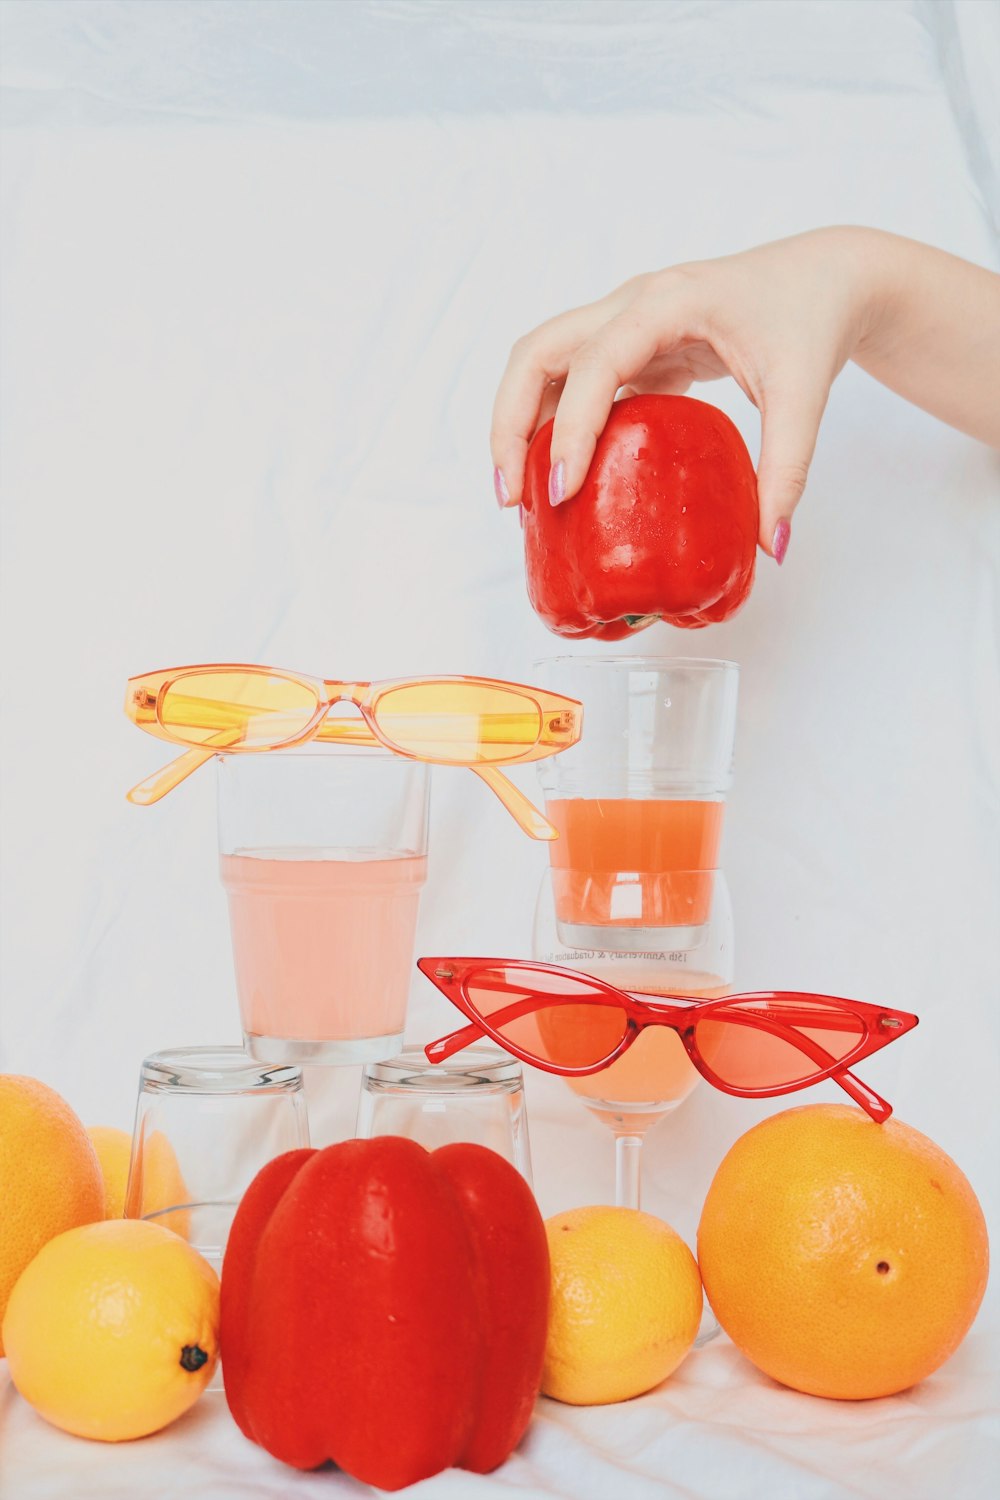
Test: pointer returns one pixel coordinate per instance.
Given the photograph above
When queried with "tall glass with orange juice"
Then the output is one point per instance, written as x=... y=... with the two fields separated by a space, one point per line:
x=639 y=802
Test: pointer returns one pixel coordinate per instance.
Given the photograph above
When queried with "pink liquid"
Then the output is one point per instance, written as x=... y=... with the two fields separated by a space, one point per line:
x=655 y=1074
x=323 y=946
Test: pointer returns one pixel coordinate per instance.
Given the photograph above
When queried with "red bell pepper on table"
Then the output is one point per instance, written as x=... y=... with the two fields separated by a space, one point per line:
x=386 y=1307
x=663 y=528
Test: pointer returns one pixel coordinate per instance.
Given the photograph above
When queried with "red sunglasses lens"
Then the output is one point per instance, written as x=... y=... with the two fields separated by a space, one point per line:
x=769 y=1044
x=556 y=1018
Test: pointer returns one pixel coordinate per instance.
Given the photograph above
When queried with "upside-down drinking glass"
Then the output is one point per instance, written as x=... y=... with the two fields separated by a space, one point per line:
x=207 y=1120
x=476 y=1096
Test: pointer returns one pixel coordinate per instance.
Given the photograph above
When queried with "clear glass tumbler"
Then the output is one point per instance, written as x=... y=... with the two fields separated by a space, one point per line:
x=476 y=1096
x=639 y=802
x=323 y=854
x=206 y=1121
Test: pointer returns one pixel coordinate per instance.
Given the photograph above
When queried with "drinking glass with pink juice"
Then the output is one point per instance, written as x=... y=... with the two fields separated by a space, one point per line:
x=639 y=802
x=323 y=855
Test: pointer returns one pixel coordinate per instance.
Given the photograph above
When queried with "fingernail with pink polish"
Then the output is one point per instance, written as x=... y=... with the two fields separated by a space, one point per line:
x=779 y=542
x=557 y=483
x=500 y=488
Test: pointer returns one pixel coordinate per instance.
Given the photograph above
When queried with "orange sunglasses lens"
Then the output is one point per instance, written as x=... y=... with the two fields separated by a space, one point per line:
x=254 y=708
x=466 y=723
x=770 y=1044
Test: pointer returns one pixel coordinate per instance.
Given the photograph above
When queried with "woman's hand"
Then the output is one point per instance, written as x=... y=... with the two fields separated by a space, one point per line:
x=782 y=319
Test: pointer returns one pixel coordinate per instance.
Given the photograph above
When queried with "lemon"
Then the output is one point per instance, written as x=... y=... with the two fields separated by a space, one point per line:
x=112 y=1331
x=626 y=1304
x=160 y=1182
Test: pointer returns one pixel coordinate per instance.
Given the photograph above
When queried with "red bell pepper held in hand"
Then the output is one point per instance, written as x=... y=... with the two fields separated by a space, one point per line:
x=386 y=1308
x=663 y=528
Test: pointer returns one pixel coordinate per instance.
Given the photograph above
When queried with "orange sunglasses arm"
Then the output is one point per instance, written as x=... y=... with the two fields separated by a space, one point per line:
x=346 y=732
x=157 y=785
x=524 y=811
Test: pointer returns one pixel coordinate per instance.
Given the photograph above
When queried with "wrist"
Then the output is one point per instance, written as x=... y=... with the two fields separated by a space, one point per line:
x=876 y=273
x=851 y=282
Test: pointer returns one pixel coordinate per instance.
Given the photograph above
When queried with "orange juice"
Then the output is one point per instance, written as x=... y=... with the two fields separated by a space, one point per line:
x=634 y=862
x=323 y=944
x=655 y=1074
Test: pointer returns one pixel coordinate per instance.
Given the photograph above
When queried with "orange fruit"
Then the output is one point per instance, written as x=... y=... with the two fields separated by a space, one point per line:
x=50 y=1179
x=625 y=1307
x=113 y=1329
x=844 y=1258
x=162 y=1185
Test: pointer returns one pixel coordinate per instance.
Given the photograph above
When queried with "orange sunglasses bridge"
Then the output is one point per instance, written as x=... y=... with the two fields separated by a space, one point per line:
x=476 y=722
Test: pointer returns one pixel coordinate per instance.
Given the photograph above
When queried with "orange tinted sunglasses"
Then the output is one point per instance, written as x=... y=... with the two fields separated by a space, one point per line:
x=478 y=722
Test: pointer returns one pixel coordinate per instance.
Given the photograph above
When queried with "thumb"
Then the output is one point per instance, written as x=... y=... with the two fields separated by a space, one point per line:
x=789 y=427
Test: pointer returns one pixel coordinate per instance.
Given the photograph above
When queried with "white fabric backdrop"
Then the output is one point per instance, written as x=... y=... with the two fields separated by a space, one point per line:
x=262 y=265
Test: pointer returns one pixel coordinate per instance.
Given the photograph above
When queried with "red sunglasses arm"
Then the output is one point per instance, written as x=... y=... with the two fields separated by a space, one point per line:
x=806 y=1015
x=535 y=1000
x=873 y=1104
x=447 y=1046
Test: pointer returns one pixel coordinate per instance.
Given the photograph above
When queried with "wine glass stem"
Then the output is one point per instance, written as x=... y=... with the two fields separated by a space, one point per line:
x=628 y=1158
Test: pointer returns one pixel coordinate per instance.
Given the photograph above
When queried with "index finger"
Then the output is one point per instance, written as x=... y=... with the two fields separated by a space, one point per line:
x=536 y=361
x=616 y=354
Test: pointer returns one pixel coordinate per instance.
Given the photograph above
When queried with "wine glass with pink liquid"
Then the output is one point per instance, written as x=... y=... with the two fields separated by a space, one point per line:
x=655 y=1075
x=634 y=893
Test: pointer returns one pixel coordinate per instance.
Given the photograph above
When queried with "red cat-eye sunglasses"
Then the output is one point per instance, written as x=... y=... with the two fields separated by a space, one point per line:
x=755 y=1046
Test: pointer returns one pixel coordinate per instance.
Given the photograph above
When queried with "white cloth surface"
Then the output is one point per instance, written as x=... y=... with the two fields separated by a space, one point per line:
x=262 y=264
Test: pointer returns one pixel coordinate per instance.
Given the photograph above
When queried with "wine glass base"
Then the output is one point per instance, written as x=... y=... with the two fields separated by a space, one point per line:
x=708 y=1328
x=615 y=939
